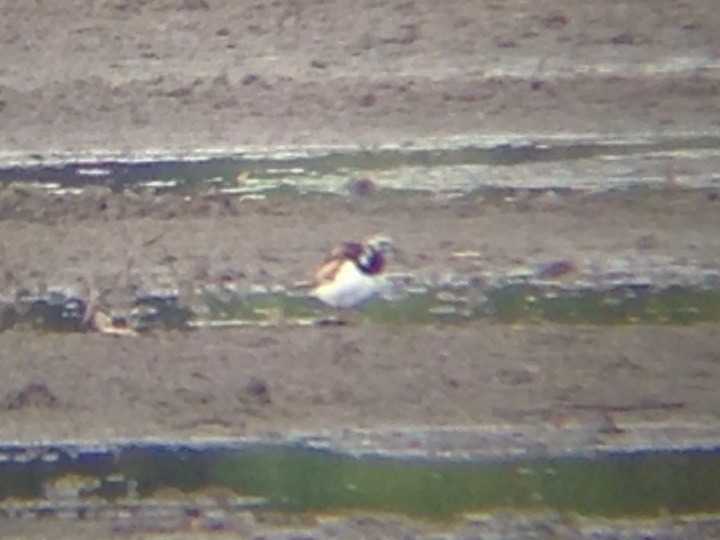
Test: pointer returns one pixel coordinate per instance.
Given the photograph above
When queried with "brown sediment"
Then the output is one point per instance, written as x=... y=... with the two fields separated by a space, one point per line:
x=129 y=76
x=193 y=384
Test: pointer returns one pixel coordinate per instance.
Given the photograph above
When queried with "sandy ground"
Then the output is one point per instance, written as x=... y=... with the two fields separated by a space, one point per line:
x=134 y=75
x=199 y=384
x=507 y=526
x=194 y=383
x=117 y=238
x=187 y=74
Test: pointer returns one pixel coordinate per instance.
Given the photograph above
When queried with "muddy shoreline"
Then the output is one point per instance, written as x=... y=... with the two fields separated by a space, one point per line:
x=150 y=504
x=135 y=75
x=200 y=384
x=126 y=77
x=360 y=526
x=50 y=240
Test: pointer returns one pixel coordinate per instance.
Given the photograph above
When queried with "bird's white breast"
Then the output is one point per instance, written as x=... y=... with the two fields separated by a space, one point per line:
x=350 y=287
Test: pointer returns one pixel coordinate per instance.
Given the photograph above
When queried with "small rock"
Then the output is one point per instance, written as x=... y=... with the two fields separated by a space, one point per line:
x=515 y=377
x=556 y=20
x=504 y=43
x=368 y=100
x=555 y=269
x=258 y=387
x=623 y=39
x=193 y=5
x=646 y=241
x=407 y=34
x=33 y=395
x=326 y=322
x=360 y=187
x=317 y=64
x=217 y=524
x=477 y=282
x=230 y=275
x=250 y=79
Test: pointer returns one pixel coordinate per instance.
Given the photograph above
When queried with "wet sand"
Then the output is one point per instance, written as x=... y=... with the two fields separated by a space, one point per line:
x=190 y=384
x=195 y=384
x=137 y=239
x=126 y=75
x=274 y=527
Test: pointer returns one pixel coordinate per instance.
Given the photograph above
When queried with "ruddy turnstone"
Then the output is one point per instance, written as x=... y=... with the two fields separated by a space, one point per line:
x=352 y=273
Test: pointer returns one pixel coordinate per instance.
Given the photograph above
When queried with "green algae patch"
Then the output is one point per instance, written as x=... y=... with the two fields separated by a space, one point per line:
x=295 y=478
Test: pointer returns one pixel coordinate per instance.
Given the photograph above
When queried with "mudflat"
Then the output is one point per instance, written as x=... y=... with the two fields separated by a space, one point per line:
x=368 y=375
x=181 y=75
x=128 y=76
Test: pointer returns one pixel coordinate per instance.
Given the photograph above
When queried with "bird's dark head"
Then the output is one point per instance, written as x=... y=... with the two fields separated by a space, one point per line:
x=374 y=257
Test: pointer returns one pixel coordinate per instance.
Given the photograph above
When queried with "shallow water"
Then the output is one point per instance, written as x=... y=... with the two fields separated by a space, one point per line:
x=296 y=478
x=538 y=163
x=506 y=299
x=521 y=302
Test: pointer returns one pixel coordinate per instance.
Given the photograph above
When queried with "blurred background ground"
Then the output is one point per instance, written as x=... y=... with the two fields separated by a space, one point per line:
x=187 y=75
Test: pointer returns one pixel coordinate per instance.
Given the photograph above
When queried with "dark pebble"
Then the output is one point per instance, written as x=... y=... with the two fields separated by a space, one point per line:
x=555 y=269
x=647 y=241
x=506 y=43
x=33 y=395
x=217 y=524
x=514 y=377
x=623 y=39
x=557 y=20
x=250 y=79
x=361 y=187
x=477 y=281
x=259 y=388
x=368 y=100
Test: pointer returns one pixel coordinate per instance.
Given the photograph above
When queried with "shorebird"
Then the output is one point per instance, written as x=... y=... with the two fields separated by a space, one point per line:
x=352 y=273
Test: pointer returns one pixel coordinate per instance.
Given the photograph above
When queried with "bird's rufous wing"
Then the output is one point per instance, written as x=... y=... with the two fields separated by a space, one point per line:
x=331 y=265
